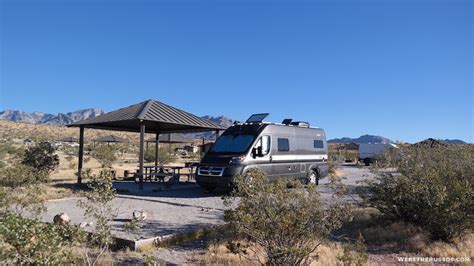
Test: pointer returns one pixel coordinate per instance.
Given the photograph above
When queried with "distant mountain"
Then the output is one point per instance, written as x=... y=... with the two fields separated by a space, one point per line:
x=453 y=141
x=220 y=120
x=362 y=139
x=50 y=119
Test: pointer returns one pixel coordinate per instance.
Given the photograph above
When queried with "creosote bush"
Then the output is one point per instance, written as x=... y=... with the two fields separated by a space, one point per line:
x=97 y=206
x=163 y=155
x=288 y=223
x=435 y=189
x=105 y=154
x=30 y=241
x=24 y=238
x=21 y=175
x=41 y=157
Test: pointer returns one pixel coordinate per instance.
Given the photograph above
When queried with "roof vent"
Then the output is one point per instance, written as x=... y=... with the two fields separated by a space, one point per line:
x=300 y=124
x=286 y=121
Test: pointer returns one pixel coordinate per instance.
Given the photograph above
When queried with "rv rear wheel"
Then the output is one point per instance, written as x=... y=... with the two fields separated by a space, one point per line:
x=313 y=177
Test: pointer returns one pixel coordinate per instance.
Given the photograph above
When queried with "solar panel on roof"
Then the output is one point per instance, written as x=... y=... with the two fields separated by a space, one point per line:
x=256 y=118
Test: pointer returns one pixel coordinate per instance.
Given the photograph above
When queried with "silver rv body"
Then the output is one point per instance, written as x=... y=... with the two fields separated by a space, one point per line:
x=293 y=150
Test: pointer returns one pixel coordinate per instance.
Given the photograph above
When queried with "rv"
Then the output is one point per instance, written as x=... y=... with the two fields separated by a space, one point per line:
x=369 y=151
x=290 y=149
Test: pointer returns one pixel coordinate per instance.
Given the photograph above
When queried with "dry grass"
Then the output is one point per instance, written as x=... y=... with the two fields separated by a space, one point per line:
x=383 y=235
x=219 y=254
x=459 y=247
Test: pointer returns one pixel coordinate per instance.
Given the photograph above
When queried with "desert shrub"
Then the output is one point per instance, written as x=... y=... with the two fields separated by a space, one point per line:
x=97 y=206
x=24 y=238
x=21 y=175
x=41 y=157
x=105 y=154
x=354 y=254
x=163 y=155
x=434 y=189
x=289 y=224
x=30 y=241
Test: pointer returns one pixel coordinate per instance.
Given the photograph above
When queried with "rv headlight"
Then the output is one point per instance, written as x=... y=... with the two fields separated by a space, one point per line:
x=237 y=160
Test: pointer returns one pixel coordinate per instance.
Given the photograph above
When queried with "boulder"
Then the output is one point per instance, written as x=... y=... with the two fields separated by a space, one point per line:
x=61 y=218
x=139 y=215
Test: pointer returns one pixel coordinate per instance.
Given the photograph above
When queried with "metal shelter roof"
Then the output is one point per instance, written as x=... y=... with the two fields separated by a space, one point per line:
x=111 y=138
x=171 y=138
x=157 y=117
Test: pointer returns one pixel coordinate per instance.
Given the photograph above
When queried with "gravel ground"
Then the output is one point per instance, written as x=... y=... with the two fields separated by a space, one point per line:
x=183 y=208
x=352 y=177
x=169 y=212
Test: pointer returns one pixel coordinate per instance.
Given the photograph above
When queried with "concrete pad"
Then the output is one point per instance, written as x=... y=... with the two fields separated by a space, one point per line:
x=170 y=212
x=180 y=208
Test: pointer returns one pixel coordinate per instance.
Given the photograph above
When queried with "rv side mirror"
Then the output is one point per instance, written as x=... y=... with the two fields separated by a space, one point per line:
x=254 y=153
x=260 y=151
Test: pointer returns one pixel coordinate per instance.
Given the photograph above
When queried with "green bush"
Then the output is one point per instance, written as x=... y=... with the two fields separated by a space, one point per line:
x=41 y=157
x=435 y=189
x=288 y=223
x=105 y=154
x=21 y=175
x=30 y=241
x=163 y=156
x=97 y=205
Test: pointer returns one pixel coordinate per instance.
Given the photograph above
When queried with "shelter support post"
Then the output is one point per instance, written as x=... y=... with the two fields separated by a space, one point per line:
x=81 y=155
x=157 y=146
x=169 y=144
x=142 y=156
x=217 y=134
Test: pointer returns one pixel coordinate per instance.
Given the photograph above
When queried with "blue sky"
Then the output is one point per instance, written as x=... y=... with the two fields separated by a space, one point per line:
x=398 y=68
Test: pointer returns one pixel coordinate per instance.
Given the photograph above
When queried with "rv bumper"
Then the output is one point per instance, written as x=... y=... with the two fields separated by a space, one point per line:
x=224 y=181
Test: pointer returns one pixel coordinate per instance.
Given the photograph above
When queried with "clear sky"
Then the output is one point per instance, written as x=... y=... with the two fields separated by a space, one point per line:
x=402 y=69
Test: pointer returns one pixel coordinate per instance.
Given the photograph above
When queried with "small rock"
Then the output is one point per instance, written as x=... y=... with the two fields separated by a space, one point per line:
x=84 y=224
x=61 y=218
x=140 y=215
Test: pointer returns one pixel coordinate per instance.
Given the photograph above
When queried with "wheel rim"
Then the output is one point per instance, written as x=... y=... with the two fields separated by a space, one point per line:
x=312 y=177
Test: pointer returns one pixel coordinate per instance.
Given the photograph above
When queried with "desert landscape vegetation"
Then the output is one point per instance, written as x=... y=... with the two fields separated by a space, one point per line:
x=415 y=202
x=289 y=132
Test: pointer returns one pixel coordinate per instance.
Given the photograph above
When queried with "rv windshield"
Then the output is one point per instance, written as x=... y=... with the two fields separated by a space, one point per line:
x=232 y=143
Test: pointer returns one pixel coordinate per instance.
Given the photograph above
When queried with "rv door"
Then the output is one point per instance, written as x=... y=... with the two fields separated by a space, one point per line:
x=261 y=155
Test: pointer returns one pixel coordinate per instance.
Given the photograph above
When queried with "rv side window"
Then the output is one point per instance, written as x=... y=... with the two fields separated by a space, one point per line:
x=283 y=144
x=318 y=144
x=264 y=142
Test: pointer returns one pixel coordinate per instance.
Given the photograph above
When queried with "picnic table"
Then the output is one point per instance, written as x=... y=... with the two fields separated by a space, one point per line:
x=161 y=172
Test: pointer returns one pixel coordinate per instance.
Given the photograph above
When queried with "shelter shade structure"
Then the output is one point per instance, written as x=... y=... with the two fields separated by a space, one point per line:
x=168 y=138
x=110 y=138
x=150 y=116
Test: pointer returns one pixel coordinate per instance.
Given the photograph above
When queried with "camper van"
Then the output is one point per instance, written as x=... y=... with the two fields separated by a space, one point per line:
x=290 y=149
x=369 y=151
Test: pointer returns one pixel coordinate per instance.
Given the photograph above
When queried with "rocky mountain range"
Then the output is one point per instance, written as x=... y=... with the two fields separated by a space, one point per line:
x=50 y=119
x=64 y=119
x=379 y=139
x=362 y=139
x=67 y=118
